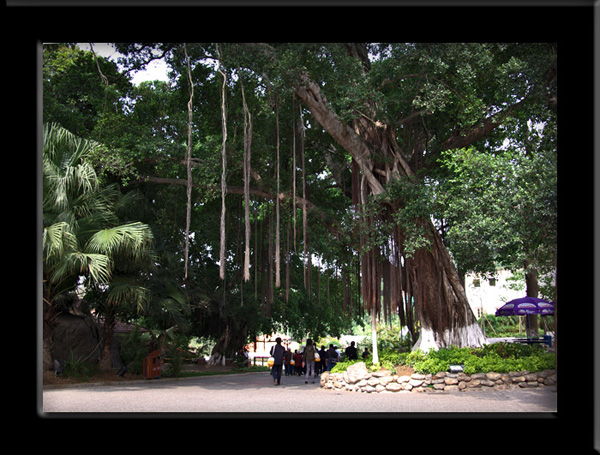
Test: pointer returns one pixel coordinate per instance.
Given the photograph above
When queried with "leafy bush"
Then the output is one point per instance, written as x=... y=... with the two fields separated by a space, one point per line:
x=79 y=368
x=132 y=350
x=498 y=357
x=388 y=359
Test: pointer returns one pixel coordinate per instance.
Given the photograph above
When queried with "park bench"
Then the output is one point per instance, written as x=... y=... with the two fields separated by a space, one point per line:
x=546 y=339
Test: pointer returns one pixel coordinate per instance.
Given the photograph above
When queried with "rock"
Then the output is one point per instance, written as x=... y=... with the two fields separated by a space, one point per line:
x=373 y=382
x=362 y=383
x=528 y=384
x=415 y=382
x=440 y=375
x=393 y=387
x=479 y=376
x=462 y=385
x=384 y=381
x=418 y=376
x=530 y=377
x=493 y=376
x=402 y=379
x=356 y=372
x=450 y=381
x=488 y=383
x=439 y=386
x=463 y=377
x=518 y=379
x=474 y=383
x=78 y=336
x=451 y=388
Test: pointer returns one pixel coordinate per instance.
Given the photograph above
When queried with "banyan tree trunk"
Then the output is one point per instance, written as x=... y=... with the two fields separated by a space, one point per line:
x=442 y=306
x=232 y=339
x=441 y=303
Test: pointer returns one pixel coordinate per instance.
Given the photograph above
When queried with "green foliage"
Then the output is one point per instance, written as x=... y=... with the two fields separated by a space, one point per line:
x=388 y=360
x=79 y=368
x=132 y=350
x=176 y=351
x=82 y=235
x=500 y=207
x=497 y=357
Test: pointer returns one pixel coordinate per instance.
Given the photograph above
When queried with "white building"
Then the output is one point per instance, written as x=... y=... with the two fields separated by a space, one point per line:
x=486 y=296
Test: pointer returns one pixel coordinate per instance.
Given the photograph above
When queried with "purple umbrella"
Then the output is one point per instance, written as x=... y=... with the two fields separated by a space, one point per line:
x=526 y=305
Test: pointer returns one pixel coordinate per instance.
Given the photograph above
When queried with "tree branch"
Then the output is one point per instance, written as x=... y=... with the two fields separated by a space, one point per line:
x=283 y=197
x=481 y=130
x=309 y=93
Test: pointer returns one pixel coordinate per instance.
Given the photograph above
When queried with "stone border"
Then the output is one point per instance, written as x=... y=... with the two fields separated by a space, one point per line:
x=358 y=379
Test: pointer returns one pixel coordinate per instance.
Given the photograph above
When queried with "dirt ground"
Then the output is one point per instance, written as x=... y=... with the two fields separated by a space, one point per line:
x=403 y=370
x=110 y=376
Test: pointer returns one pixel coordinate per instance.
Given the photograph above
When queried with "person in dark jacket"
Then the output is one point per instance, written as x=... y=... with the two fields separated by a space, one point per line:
x=351 y=353
x=322 y=364
x=298 y=363
x=277 y=352
x=332 y=357
x=287 y=358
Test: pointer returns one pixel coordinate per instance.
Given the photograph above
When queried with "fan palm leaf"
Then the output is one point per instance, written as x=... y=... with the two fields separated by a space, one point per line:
x=81 y=236
x=65 y=169
x=133 y=240
x=57 y=239
x=124 y=289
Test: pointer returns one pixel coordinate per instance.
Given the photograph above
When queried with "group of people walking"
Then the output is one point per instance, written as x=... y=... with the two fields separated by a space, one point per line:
x=311 y=362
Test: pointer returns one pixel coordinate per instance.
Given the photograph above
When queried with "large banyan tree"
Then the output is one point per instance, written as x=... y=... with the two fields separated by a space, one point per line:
x=378 y=118
x=393 y=108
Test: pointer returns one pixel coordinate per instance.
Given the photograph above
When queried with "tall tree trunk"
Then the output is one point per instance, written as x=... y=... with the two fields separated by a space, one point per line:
x=188 y=215
x=277 y=218
x=442 y=306
x=532 y=290
x=224 y=171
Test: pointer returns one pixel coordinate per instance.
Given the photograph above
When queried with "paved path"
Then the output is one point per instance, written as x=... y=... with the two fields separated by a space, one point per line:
x=256 y=393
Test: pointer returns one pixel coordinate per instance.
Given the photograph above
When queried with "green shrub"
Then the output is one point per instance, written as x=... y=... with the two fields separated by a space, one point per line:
x=497 y=357
x=79 y=368
x=132 y=350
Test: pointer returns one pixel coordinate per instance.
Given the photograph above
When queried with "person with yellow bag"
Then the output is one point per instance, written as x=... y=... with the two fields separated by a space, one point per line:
x=277 y=352
x=288 y=362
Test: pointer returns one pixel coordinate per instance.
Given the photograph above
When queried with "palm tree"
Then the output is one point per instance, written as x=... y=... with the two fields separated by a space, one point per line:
x=83 y=239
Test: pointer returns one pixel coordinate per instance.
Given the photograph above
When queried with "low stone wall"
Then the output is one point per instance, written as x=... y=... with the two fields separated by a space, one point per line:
x=358 y=379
